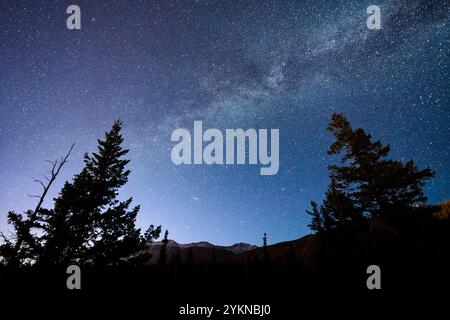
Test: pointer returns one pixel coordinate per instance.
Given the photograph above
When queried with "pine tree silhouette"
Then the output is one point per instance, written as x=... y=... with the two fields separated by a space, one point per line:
x=88 y=224
x=316 y=218
x=365 y=184
x=265 y=250
x=70 y=226
x=163 y=251
x=152 y=233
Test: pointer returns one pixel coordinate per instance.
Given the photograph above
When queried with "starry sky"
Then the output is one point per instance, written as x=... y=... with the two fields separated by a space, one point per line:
x=160 y=65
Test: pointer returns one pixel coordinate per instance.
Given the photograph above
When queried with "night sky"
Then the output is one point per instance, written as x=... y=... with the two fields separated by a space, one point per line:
x=160 y=65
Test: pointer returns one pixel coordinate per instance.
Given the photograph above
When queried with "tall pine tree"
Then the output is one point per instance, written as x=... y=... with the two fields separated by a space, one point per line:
x=365 y=183
x=89 y=224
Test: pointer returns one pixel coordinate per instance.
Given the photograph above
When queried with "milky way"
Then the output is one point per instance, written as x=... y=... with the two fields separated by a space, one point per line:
x=160 y=65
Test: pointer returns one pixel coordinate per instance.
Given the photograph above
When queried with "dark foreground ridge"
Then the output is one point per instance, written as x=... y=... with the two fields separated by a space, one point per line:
x=412 y=255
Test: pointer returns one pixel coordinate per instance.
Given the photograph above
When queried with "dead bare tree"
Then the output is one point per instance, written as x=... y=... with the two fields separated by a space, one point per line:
x=56 y=168
x=23 y=227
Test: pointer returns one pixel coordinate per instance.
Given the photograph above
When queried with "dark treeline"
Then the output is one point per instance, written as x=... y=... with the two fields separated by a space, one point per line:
x=373 y=212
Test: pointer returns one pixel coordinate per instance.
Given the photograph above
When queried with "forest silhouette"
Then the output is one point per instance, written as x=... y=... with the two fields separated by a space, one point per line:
x=374 y=212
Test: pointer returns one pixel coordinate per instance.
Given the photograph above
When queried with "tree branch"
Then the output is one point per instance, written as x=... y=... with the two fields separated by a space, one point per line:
x=28 y=224
x=39 y=181
x=56 y=168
